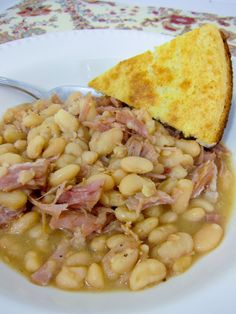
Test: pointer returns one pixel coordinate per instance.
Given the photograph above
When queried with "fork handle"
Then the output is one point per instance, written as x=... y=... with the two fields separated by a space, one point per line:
x=21 y=86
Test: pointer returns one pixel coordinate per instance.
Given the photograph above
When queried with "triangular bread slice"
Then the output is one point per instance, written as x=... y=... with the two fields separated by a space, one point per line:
x=185 y=83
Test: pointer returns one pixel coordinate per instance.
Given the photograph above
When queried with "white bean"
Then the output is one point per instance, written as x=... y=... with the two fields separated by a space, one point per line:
x=123 y=214
x=194 y=214
x=161 y=233
x=35 y=147
x=207 y=238
x=175 y=246
x=147 y=272
x=181 y=194
x=24 y=223
x=66 y=121
x=71 y=277
x=168 y=217
x=143 y=228
x=189 y=147
x=32 y=261
x=124 y=261
x=137 y=165
x=66 y=173
x=95 y=277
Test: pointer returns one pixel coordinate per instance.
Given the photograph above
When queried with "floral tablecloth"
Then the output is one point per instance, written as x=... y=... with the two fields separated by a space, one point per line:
x=33 y=17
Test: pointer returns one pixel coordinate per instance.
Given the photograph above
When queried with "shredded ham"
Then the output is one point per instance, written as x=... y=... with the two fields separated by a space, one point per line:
x=85 y=196
x=52 y=266
x=202 y=176
x=51 y=209
x=8 y=215
x=74 y=219
x=127 y=118
x=139 y=202
x=213 y=218
x=10 y=181
x=137 y=147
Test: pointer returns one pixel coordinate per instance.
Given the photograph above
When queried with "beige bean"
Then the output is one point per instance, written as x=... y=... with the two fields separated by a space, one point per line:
x=118 y=175
x=131 y=184
x=124 y=261
x=178 y=172
x=143 y=228
x=10 y=159
x=172 y=159
x=32 y=120
x=95 y=277
x=175 y=246
x=118 y=239
x=207 y=238
x=164 y=140
x=73 y=149
x=7 y=148
x=136 y=164
x=98 y=243
x=11 y=134
x=35 y=147
x=32 y=133
x=82 y=258
x=145 y=273
x=168 y=185
x=112 y=198
x=181 y=194
x=187 y=161
x=13 y=200
x=195 y=214
x=89 y=157
x=50 y=111
x=24 y=223
x=204 y=204
x=1 y=139
x=104 y=143
x=182 y=264
x=20 y=145
x=65 y=160
x=160 y=234
x=42 y=243
x=120 y=151
x=25 y=176
x=154 y=211
x=66 y=121
x=123 y=214
x=71 y=278
x=108 y=180
x=64 y=174
x=189 y=147
x=36 y=231
x=55 y=147
x=168 y=217
x=32 y=261
x=149 y=187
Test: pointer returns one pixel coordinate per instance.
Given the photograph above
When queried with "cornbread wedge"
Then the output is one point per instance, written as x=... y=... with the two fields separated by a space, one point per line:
x=185 y=83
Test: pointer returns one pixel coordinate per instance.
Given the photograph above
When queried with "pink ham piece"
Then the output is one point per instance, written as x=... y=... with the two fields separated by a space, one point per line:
x=51 y=209
x=10 y=181
x=127 y=118
x=73 y=220
x=202 y=176
x=213 y=218
x=8 y=215
x=85 y=196
x=137 y=147
x=140 y=202
x=52 y=266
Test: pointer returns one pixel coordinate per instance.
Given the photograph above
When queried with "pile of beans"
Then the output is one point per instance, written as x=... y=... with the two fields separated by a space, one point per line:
x=147 y=246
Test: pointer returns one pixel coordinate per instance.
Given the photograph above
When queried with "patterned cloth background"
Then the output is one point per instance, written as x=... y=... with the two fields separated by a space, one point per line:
x=33 y=17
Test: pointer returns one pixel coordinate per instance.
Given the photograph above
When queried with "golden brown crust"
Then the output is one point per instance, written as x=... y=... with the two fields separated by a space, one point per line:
x=228 y=99
x=185 y=83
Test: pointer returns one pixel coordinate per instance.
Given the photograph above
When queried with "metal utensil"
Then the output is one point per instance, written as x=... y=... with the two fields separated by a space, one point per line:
x=61 y=91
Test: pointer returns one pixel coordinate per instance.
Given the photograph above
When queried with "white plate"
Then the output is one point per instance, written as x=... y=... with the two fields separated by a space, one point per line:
x=74 y=58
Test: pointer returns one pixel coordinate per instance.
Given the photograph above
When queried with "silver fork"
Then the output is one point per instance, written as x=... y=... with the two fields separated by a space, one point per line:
x=61 y=91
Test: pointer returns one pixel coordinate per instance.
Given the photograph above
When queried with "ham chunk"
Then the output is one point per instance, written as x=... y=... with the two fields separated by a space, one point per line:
x=127 y=118
x=85 y=197
x=8 y=215
x=140 y=202
x=52 y=266
x=11 y=180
